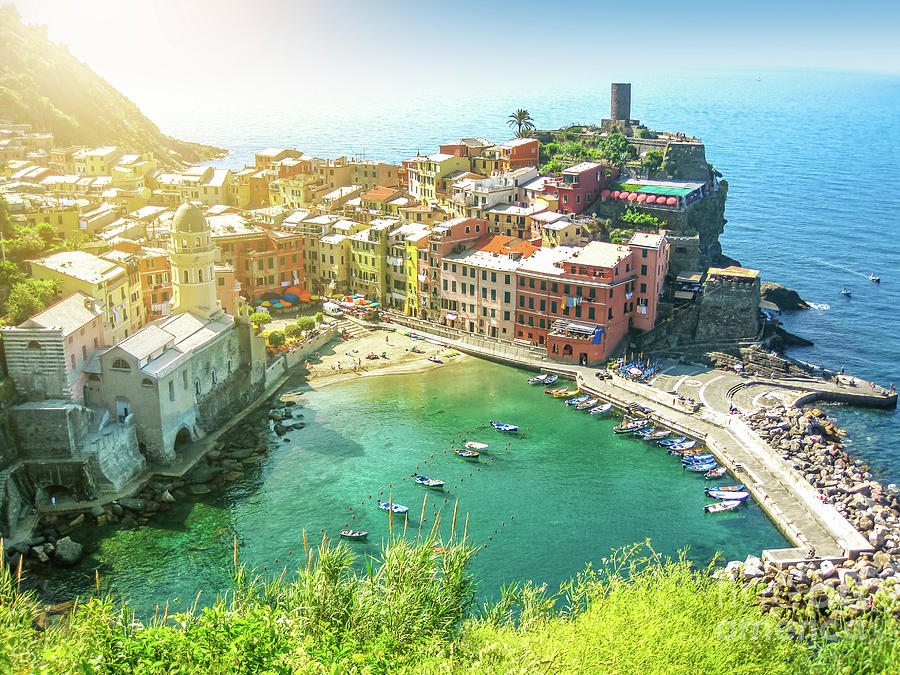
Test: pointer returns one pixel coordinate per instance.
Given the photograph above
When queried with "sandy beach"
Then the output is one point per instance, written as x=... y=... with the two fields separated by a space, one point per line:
x=346 y=359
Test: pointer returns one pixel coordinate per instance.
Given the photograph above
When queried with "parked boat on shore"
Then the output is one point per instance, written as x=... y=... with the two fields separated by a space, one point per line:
x=699 y=467
x=601 y=409
x=716 y=472
x=539 y=379
x=719 y=507
x=577 y=400
x=565 y=393
x=725 y=488
x=586 y=405
x=554 y=392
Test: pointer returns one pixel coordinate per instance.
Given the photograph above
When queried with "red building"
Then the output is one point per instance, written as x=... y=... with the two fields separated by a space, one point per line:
x=580 y=185
x=519 y=152
x=580 y=302
x=443 y=239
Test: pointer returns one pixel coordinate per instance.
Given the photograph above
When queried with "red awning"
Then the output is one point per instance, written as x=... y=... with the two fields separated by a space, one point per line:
x=671 y=201
x=605 y=193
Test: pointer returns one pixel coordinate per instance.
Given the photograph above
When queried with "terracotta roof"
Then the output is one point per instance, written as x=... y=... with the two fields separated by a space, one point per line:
x=503 y=244
x=379 y=193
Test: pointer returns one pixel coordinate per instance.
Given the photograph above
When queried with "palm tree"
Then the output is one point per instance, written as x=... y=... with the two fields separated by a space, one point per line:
x=521 y=120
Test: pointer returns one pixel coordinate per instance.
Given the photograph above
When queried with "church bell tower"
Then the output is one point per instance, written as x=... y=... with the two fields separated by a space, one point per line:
x=192 y=256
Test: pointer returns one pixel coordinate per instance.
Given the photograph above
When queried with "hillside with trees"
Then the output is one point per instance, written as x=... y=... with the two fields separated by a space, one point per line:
x=41 y=83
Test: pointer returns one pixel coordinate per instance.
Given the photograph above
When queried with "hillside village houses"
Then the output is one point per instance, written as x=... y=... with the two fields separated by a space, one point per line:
x=472 y=236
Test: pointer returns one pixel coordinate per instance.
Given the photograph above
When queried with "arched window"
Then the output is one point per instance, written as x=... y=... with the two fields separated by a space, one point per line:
x=214 y=377
x=184 y=277
x=197 y=242
x=121 y=364
x=34 y=344
x=200 y=276
x=146 y=382
x=197 y=386
x=184 y=243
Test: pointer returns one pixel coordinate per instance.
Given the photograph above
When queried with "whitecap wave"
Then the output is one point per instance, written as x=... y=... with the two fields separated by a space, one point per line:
x=818 y=305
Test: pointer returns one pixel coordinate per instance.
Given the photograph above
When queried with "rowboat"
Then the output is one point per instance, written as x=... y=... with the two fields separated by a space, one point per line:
x=577 y=400
x=396 y=508
x=726 y=488
x=500 y=426
x=684 y=445
x=699 y=468
x=656 y=434
x=630 y=426
x=565 y=393
x=716 y=472
x=727 y=495
x=683 y=453
x=601 y=409
x=355 y=535
x=428 y=482
x=467 y=454
x=718 y=507
x=539 y=379
x=551 y=379
x=669 y=442
x=475 y=445
x=586 y=405
x=433 y=358
x=554 y=392
x=697 y=458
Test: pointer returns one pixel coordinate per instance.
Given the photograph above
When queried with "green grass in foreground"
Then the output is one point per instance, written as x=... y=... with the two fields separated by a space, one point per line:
x=406 y=612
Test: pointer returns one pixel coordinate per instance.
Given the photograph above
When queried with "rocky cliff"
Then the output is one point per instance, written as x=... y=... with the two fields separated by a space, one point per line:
x=41 y=83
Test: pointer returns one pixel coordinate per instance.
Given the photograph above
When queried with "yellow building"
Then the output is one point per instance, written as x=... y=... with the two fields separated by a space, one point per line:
x=368 y=263
x=302 y=190
x=334 y=271
x=370 y=173
x=97 y=161
x=426 y=214
x=112 y=284
x=33 y=210
x=424 y=178
x=131 y=171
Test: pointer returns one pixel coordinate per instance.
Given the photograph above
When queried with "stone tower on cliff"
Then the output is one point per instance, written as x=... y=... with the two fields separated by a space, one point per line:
x=620 y=110
x=193 y=255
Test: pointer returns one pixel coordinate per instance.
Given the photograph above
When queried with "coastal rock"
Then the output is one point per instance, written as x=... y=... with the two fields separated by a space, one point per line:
x=203 y=474
x=130 y=504
x=827 y=569
x=67 y=552
x=97 y=511
x=200 y=489
x=166 y=497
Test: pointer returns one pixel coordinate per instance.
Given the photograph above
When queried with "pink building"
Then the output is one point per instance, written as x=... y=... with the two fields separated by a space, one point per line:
x=651 y=263
x=443 y=239
x=46 y=354
x=580 y=185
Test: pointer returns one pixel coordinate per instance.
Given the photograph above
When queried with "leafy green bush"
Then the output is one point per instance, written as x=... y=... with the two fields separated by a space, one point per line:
x=306 y=323
x=259 y=319
x=275 y=338
x=292 y=331
x=320 y=317
x=653 y=159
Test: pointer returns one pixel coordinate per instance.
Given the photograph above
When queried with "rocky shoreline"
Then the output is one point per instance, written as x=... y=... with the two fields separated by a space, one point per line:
x=814 y=446
x=248 y=441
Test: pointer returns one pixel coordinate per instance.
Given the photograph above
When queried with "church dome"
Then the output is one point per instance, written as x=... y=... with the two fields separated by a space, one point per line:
x=189 y=218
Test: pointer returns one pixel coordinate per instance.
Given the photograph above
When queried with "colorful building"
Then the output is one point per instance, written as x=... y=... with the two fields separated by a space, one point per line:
x=580 y=185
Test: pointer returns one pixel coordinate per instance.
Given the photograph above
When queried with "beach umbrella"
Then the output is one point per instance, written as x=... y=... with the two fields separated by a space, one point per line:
x=286 y=303
x=624 y=195
x=671 y=201
x=604 y=194
x=642 y=198
x=266 y=303
x=292 y=289
x=660 y=200
x=632 y=196
x=291 y=297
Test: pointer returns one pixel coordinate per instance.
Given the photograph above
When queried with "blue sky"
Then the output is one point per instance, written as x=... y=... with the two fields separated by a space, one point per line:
x=344 y=47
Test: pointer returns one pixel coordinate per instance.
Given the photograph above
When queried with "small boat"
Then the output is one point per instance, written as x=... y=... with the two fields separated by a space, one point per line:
x=726 y=488
x=697 y=458
x=396 y=508
x=539 y=379
x=565 y=393
x=551 y=379
x=577 y=400
x=600 y=409
x=467 y=454
x=554 y=392
x=718 y=507
x=355 y=535
x=727 y=495
x=428 y=482
x=669 y=442
x=845 y=293
x=475 y=445
x=586 y=405
x=500 y=426
x=716 y=472
x=874 y=279
x=630 y=426
x=681 y=447
x=699 y=468
x=433 y=358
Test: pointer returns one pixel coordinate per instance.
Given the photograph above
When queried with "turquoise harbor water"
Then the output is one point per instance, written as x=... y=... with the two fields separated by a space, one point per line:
x=562 y=496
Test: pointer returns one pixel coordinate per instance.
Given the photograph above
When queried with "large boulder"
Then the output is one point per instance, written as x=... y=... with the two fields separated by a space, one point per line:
x=786 y=299
x=67 y=552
